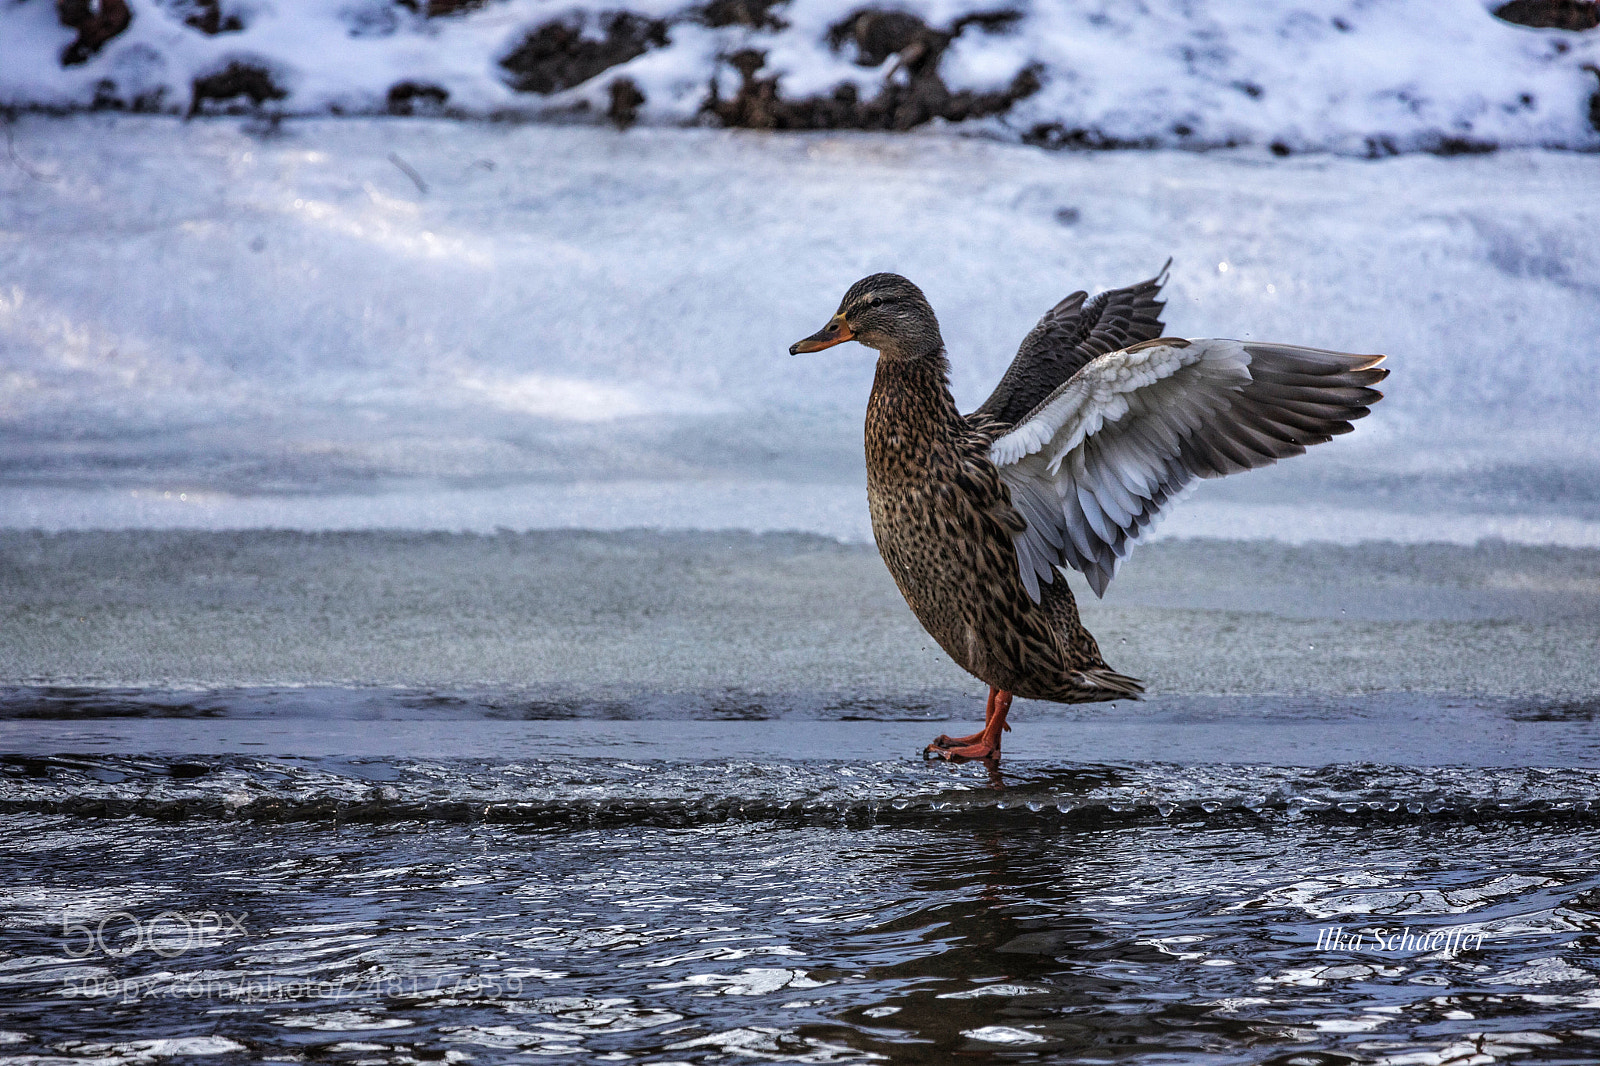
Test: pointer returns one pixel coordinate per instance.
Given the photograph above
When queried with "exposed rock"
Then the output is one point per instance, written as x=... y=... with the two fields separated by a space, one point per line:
x=436 y=8
x=1380 y=146
x=238 y=79
x=626 y=99
x=1462 y=146
x=1594 y=99
x=206 y=16
x=416 y=98
x=756 y=14
x=557 y=55
x=97 y=21
x=109 y=96
x=1551 y=14
x=440 y=8
x=913 y=92
x=758 y=105
x=1055 y=135
x=877 y=35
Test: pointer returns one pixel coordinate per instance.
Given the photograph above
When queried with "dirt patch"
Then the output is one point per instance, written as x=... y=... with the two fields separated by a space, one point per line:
x=1462 y=146
x=877 y=35
x=1059 y=136
x=1594 y=99
x=109 y=96
x=416 y=98
x=912 y=90
x=626 y=99
x=227 y=89
x=96 y=24
x=755 y=14
x=559 y=54
x=207 y=16
x=1551 y=14
x=442 y=8
x=437 y=8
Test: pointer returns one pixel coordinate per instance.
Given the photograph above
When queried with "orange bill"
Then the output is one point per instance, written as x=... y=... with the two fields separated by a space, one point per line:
x=835 y=332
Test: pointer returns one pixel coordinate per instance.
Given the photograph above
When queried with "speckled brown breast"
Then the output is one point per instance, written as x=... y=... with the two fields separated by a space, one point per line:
x=944 y=526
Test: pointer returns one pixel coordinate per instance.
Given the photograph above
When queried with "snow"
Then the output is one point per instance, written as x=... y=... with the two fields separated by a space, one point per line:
x=1341 y=76
x=217 y=326
x=1349 y=76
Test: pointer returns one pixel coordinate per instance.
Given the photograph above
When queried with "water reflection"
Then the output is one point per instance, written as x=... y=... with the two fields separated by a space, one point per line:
x=994 y=933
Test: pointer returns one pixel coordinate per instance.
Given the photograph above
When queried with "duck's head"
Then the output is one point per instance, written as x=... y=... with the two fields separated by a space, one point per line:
x=884 y=311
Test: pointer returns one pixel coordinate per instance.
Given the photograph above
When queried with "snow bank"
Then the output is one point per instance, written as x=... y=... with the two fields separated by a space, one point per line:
x=1351 y=76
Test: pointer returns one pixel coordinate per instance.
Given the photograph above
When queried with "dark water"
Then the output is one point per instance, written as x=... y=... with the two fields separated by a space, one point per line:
x=583 y=903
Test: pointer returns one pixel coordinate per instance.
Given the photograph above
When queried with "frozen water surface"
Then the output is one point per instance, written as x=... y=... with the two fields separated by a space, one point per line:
x=202 y=326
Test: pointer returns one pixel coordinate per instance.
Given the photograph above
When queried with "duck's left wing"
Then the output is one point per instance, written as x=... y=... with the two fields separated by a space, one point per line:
x=1093 y=465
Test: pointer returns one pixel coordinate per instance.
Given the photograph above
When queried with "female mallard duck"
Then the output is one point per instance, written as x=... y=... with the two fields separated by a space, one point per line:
x=1099 y=424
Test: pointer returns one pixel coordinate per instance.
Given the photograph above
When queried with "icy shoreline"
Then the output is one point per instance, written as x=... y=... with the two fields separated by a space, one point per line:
x=635 y=623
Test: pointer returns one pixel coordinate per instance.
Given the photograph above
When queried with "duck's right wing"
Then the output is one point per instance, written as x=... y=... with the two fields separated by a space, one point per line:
x=1093 y=465
x=1065 y=340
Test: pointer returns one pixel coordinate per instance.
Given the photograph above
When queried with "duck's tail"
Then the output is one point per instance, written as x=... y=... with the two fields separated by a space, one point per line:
x=1107 y=684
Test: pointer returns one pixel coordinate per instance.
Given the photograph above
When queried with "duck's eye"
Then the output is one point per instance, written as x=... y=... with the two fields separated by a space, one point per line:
x=873 y=301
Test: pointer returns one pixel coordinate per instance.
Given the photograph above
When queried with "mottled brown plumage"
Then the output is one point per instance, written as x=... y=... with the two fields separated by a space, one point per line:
x=945 y=527
x=1103 y=421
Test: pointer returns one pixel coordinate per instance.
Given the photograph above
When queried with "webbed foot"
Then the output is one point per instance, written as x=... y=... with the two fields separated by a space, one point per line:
x=984 y=744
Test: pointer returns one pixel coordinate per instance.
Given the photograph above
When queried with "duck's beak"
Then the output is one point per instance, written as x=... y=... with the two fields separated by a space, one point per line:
x=835 y=332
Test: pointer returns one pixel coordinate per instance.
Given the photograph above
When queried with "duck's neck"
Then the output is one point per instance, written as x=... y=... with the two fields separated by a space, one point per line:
x=911 y=417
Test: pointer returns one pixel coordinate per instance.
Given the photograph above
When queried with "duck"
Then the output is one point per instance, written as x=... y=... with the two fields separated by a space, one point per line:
x=1097 y=427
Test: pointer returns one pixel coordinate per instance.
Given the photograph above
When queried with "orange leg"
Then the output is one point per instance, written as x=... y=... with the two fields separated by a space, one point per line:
x=984 y=744
x=961 y=742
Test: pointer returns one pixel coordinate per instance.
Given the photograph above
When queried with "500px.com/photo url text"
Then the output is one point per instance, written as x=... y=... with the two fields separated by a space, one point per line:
x=274 y=990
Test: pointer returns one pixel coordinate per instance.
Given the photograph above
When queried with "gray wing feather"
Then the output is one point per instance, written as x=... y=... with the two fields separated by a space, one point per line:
x=1068 y=336
x=1094 y=464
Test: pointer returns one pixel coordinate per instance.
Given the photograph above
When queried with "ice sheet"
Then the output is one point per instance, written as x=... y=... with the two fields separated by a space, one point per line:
x=201 y=325
x=738 y=625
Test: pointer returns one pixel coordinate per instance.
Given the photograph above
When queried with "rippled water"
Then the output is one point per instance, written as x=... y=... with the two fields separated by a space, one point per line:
x=601 y=909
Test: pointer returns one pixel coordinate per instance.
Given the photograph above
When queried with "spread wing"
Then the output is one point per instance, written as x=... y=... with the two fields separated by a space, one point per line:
x=1066 y=338
x=1093 y=465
